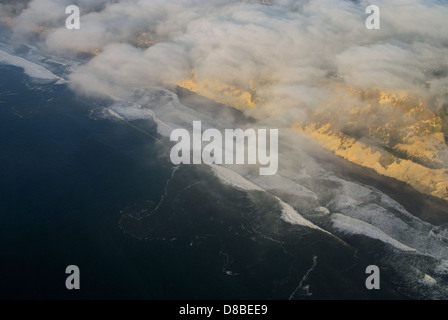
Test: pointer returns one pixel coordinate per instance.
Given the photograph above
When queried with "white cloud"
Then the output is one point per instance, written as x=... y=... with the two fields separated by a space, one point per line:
x=289 y=48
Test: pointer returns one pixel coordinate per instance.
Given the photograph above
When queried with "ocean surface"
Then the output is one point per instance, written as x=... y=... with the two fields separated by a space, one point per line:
x=85 y=186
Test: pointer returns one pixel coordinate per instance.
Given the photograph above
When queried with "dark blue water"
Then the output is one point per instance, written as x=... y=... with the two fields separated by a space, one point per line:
x=87 y=192
x=64 y=180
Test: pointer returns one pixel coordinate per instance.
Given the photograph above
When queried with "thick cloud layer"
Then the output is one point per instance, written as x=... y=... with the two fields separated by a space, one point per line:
x=295 y=54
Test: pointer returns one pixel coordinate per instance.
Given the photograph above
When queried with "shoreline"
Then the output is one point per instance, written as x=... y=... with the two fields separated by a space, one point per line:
x=426 y=207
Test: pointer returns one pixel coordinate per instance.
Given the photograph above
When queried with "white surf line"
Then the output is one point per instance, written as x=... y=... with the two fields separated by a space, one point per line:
x=166 y=190
x=233 y=179
x=162 y=198
x=37 y=71
x=229 y=261
x=31 y=69
x=305 y=277
x=289 y=214
x=117 y=116
x=349 y=225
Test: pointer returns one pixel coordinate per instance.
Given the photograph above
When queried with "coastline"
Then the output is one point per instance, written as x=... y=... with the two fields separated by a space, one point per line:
x=426 y=207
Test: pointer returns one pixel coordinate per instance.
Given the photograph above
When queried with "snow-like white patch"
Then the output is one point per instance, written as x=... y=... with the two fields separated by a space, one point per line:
x=442 y=268
x=32 y=69
x=279 y=182
x=323 y=210
x=428 y=280
x=233 y=179
x=355 y=226
x=290 y=215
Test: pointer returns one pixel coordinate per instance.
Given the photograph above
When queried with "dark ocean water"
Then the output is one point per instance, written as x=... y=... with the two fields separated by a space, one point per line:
x=99 y=195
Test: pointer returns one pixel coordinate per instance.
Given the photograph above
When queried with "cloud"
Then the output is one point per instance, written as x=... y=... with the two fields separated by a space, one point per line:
x=292 y=52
